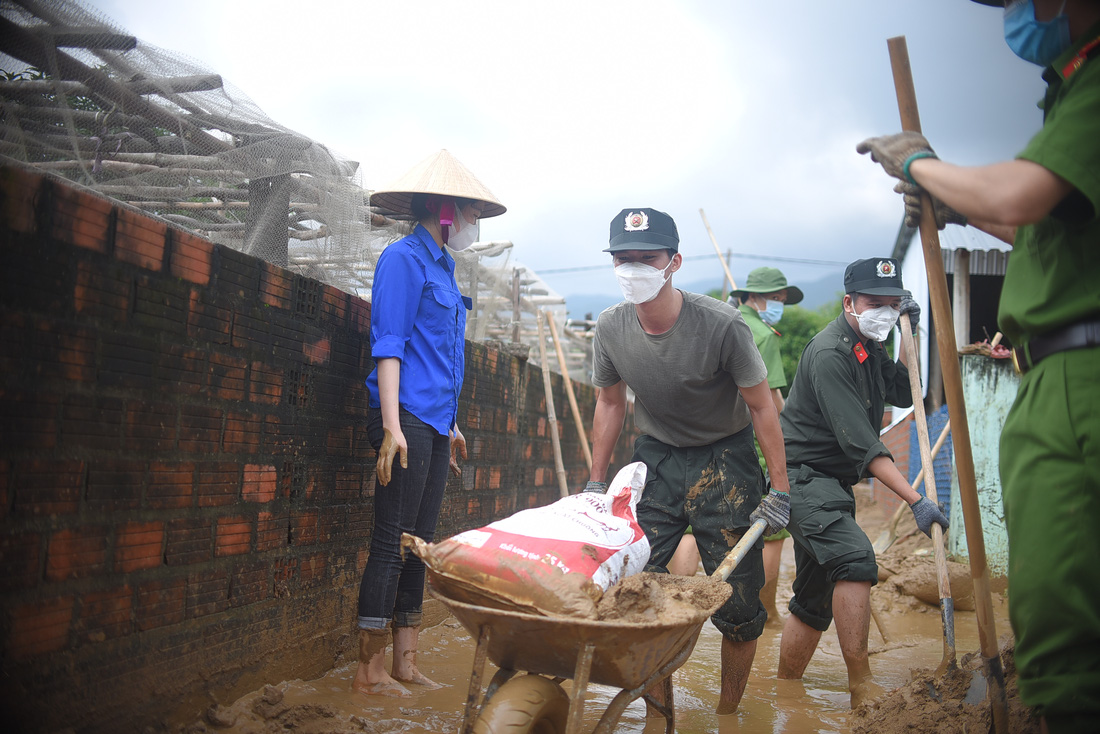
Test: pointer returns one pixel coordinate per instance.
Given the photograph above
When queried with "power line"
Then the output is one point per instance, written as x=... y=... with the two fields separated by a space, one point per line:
x=772 y=258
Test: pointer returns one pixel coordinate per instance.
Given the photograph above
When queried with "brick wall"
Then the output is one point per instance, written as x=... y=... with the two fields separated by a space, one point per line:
x=185 y=480
x=896 y=441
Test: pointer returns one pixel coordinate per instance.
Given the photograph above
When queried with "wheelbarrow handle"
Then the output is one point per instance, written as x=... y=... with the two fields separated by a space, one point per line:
x=737 y=554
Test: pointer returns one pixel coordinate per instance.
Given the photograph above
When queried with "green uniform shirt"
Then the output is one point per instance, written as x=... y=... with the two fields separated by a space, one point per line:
x=1055 y=263
x=834 y=411
x=767 y=341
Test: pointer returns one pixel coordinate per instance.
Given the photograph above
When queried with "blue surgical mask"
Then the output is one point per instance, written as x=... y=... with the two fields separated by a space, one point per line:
x=1039 y=43
x=773 y=311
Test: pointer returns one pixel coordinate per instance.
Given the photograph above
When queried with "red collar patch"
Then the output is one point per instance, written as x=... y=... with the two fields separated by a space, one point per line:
x=861 y=353
x=1080 y=58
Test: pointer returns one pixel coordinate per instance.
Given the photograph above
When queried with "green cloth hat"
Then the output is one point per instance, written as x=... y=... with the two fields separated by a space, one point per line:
x=769 y=280
x=875 y=276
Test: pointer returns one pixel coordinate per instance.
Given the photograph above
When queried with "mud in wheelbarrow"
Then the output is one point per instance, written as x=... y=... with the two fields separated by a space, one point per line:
x=630 y=655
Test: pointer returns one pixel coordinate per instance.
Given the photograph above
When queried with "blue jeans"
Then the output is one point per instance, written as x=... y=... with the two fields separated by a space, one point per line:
x=393 y=588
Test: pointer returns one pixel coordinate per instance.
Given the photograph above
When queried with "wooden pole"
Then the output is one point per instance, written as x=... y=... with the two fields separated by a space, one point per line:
x=961 y=300
x=551 y=416
x=947 y=603
x=952 y=377
x=569 y=391
x=714 y=241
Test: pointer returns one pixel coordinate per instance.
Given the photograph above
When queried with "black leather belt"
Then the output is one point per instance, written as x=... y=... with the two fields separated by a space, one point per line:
x=1075 y=336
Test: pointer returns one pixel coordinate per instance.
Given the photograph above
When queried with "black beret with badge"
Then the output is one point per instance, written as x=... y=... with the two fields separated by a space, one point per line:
x=643 y=229
x=875 y=276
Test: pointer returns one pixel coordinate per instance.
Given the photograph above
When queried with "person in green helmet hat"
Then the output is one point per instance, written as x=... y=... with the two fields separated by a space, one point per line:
x=1046 y=204
x=761 y=303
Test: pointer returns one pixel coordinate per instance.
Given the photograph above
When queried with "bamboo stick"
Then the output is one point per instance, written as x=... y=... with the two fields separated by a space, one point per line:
x=551 y=416
x=569 y=391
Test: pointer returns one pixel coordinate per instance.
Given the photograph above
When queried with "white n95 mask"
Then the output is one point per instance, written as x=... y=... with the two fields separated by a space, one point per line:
x=639 y=282
x=877 y=323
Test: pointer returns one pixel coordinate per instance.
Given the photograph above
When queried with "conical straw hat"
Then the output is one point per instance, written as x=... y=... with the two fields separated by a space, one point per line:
x=442 y=174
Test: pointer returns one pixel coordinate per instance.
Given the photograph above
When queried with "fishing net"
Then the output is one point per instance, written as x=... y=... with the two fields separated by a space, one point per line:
x=84 y=100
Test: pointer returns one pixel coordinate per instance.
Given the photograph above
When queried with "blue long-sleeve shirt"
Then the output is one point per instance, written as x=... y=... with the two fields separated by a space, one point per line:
x=418 y=316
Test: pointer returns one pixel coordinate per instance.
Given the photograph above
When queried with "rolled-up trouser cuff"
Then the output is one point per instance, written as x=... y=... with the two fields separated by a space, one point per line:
x=373 y=623
x=743 y=632
x=408 y=619
x=821 y=624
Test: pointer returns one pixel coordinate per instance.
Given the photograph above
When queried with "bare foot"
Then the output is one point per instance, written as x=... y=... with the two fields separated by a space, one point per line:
x=864 y=691
x=382 y=686
x=419 y=679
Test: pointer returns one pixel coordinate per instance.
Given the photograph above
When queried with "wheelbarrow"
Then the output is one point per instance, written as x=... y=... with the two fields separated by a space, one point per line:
x=631 y=656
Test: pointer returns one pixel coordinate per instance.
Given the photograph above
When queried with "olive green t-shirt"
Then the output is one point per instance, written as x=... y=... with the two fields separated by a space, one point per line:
x=767 y=342
x=686 y=380
x=1054 y=269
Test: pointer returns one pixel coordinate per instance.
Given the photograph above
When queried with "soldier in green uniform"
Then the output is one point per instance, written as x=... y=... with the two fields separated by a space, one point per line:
x=831 y=433
x=761 y=303
x=1046 y=204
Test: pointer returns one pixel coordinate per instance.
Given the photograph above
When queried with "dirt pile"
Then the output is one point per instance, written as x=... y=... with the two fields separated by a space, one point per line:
x=953 y=703
x=915 y=575
x=660 y=597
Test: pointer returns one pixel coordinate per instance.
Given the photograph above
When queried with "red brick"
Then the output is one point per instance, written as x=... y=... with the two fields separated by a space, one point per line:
x=101 y=292
x=139 y=545
x=339 y=441
x=348 y=486
x=311 y=570
x=139 y=240
x=19 y=560
x=234 y=536
x=207 y=592
x=249 y=585
x=91 y=422
x=200 y=429
x=182 y=369
x=189 y=540
x=191 y=257
x=115 y=485
x=208 y=322
x=359 y=315
x=218 y=484
x=40 y=627
x=19 y=189
x=259 y=484
x=303 y=528
x=334 y=303
x=77 y=553
x=150 y=426
x=276 y=286
x=272 y=531
x=242 y=433
x=105 y=615
x=227 y=376
x=170 y=485
x=160 y=603
x=265 y=384
x=317 y=352
x=48 y=487
x=80 y=218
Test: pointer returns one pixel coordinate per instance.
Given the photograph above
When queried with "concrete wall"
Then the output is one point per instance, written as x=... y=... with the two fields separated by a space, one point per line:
x=185 y=481
x=989 y=388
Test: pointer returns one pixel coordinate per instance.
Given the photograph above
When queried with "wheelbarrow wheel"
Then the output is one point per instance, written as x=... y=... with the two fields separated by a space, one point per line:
x=526 y=704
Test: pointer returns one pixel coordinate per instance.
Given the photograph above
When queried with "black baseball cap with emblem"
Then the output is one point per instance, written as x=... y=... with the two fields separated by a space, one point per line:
x=643 y=229
x=875 y=276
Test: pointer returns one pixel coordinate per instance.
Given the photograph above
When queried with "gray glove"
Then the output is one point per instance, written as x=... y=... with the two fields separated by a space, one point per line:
x=911 y=195
x=597 y=487
x=926 y=513
x=774 y=509
x=896 y=152
x=909 y=306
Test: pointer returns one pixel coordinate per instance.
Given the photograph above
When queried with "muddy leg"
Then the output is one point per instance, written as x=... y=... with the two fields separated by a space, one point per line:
x=736 y=666
x=773 y=550
x=852 y=614
x=371 y=677
x=796 y=648
x=405 y=640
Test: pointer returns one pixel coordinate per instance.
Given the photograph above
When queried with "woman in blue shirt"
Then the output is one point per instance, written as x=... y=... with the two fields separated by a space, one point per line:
x=418 y=323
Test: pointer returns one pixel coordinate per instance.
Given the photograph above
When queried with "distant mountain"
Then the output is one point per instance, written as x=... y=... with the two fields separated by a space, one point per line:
x=817 y=293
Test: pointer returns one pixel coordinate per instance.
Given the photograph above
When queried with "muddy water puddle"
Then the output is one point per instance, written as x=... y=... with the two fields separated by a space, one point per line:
x=818 y=703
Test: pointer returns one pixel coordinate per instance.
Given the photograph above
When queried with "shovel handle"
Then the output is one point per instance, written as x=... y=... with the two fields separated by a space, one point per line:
x=737 y=554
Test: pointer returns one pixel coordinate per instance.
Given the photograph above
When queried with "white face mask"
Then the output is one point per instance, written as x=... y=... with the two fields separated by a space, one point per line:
x=466 y=233
x=640 y=283
x=877 y=323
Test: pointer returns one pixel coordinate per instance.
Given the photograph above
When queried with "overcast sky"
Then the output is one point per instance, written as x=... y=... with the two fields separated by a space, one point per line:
x=569 y=111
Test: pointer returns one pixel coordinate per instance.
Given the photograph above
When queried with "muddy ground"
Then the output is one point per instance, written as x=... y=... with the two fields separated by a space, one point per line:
x=907 y=608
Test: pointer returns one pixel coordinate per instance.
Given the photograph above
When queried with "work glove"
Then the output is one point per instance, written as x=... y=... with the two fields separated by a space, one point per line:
x=909 y=306
x=896 y=152
x=911 y=195
x=596 y=487
x=926 y=513
x=391 y=446
x=774 y=509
